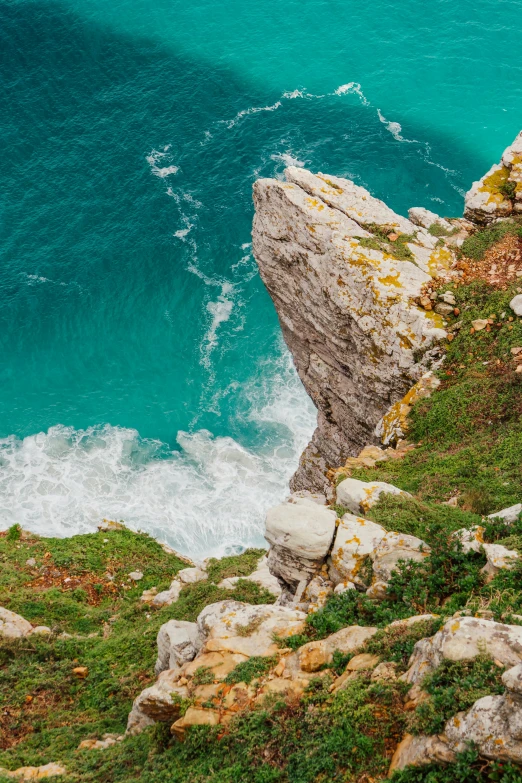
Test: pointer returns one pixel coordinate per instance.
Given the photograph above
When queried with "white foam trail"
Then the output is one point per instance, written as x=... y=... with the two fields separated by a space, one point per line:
x=293 y=94
x=395 y=129
x=155 y=157
x=352 y=87
x=208 y=498
x=252 y=110
x=220 y=310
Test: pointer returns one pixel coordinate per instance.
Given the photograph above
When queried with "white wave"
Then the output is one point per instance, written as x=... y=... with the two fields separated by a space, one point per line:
x=208 y=498
x=293 y=94
x=352 y=87
x=155 y=157
x=288 y=159
x=252 y=110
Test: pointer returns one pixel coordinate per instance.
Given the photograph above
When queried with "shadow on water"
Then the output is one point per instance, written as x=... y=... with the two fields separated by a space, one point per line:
x=102 y=319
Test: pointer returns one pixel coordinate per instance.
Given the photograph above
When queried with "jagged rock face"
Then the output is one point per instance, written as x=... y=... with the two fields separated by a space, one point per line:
x=499 y=193
x=344 y=300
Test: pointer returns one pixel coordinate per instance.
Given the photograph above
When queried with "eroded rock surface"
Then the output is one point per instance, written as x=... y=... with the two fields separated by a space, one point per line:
x=498 y=194
x=343 y=291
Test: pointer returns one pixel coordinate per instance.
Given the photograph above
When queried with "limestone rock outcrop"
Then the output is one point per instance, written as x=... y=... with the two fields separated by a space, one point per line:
x=178 y=643
x=343 y=271
x=462 y=639
x=300 y=534
x=498 y=194
x=359 y=496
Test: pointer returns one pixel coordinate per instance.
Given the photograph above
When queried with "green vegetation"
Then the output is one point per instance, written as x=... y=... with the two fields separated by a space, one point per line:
x=453 y=687
x=468 y=433
x=468 y=769
x=251 y=670
x=381 y=241
x=476 y=245
x=45 y=710
x=396 y=644
x=436 y=230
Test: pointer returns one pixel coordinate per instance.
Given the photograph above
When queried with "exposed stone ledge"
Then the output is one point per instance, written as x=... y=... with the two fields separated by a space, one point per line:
x=343 y=270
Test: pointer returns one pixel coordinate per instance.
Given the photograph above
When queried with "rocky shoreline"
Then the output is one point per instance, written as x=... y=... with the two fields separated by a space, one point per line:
x=393 y=572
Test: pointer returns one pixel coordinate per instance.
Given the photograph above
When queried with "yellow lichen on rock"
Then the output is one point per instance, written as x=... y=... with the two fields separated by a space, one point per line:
x=394 y=424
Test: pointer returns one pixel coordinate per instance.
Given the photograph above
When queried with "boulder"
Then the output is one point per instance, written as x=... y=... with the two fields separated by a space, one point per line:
x=35 y=773
x=499 y=557
x=195 y=716
x=417 y=751
x=355 y=539
x=471 y=539
x=13 y=626
x=178 y=643
x=426 y=219
x=363 y=662
x=516 y=304
x=359 y=496
x=167 y=597
x=508 y=515
x=40 y=630
x=342 y=587
x=261 y=576
x=159 y=702
x=300 y=534
x=493 y=725
x=312 y=656
x=189 y=576
x=317 y=592
x=393 y=548
x=219 y=664
x=249 y=630
x=462 y=639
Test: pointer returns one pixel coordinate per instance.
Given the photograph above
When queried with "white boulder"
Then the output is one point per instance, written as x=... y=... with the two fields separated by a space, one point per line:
x=160 y=702
x=507 y=515
x=359 y=496
x=178 y=643
x=12 y=625
x=300 y=534
x=249 y=630
x=355 y=539
x=393 y=548
x=261 y=576
x=426 y=219
x=461 y=639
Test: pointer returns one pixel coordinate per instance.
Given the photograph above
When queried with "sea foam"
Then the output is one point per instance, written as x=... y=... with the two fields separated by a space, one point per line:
x=208 y=497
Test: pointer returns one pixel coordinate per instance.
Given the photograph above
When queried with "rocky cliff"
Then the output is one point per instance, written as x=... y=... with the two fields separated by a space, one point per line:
x=347 y=276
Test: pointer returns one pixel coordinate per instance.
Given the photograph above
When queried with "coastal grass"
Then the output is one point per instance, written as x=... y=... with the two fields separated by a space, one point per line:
x=468 y=434
x=45 y=709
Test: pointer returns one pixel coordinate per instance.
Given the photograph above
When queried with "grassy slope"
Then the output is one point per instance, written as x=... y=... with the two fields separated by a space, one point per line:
x=45 y=711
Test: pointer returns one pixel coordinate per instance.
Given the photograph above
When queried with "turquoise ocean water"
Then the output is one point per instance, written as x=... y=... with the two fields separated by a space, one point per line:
x=142 y=373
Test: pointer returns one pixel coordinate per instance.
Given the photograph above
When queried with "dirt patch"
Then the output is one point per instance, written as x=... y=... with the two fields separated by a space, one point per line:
x=96 y=587
x=499 y=266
